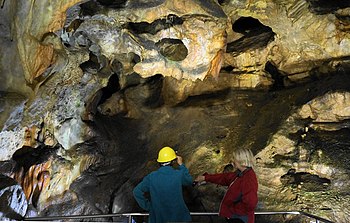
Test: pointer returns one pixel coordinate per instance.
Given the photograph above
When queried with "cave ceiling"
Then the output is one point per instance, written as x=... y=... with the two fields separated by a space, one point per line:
x=92 y=89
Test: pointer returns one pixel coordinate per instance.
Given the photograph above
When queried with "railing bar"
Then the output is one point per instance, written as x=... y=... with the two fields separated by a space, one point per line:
x=276 y=212
x=86 y=216
x=316 y=217
x=130 y=215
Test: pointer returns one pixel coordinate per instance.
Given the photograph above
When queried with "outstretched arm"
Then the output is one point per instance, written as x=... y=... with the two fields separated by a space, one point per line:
x=223 y=179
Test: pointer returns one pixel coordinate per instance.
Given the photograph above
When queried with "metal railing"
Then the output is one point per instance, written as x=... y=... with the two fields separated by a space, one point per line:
x=129 y=216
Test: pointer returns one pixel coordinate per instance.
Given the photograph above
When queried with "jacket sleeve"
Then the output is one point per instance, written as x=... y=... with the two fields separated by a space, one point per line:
x=139 y=193
x=223 y=179
x=250 y=193
x=186 y=176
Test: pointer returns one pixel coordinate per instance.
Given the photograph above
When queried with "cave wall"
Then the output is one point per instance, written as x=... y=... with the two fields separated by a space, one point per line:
x=96 y=82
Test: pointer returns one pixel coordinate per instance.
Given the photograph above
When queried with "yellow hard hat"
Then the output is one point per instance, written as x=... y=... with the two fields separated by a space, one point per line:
x=166 y=154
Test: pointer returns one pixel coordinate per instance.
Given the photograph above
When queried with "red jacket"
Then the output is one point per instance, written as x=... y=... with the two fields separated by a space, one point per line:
x=241 y=197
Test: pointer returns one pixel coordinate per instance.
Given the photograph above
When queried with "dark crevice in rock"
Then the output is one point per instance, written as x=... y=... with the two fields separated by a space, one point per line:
x=114 y=4
x=136 y=58
x=132 y=80
x=343 y=21
x=212 y=8
x=228 y=68
x=154 y=85
x=343 y=124
x=112 y=87
x=95 y=64
x=328 y=142
x=223 y=2
x=250 y=42
x=47 y=36
x=156 y=26
x=173 y=49
x=284 y=160
x=116 y=66
x=92 y=65
x=74 y=25
x=89 y=8
x=256 y=35
x=204 y=99
x=326 y=6
x=28 y=156
x=249 y=25
x=276 y=76
x=306 y=181
x=115 y=136
x=145 y=4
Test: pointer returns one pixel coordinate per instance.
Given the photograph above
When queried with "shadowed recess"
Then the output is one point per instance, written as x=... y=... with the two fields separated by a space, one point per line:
x=115 y=4
x=89 y=8
x=154 y=85
x=305 y=181
x=28 y=156
x=276 y=76
x=326 y=6
x=173 y=49
x=212 y=8
x=112 y=87
x=223 y=2
x=156 y=26
x=249 y=25
x=333 y=144
x=94 y=64
x=256 y=35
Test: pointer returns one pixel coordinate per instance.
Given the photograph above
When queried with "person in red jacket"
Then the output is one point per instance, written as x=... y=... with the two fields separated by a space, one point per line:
x=241 y=197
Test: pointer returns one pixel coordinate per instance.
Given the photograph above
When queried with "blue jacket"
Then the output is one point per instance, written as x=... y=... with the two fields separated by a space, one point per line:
x=166 y=203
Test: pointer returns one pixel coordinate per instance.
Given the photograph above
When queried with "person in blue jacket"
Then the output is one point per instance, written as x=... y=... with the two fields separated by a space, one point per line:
x=165 y=202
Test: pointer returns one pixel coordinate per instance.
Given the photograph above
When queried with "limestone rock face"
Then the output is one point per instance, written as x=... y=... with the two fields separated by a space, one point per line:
x=333 y=107
x=12 y=200
x=296 y=160
x=90 y=90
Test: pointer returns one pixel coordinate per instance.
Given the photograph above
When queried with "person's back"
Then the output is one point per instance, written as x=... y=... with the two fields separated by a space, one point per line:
x=166 y=203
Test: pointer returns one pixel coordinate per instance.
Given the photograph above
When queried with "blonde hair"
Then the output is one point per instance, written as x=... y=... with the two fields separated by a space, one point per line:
x=244 y=157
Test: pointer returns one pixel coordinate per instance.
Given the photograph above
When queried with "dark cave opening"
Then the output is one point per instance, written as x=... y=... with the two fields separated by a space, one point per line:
x=89 y=8
x=93 y=65
x=249 y=26
x=256 y=35
x=112 y=87
x=326 y=6
x=114 y=4
x=156 y=26
x=28 y=156
x=328 y=142
x=306 y=181
x=173 y=49
x=276 y=76
x=154 y=86
x=223 y=2
x=228 y=68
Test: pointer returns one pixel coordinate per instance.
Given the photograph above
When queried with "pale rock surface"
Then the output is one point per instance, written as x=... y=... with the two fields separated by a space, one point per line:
x=278 y=157
x=13 y=202
x=332 y=107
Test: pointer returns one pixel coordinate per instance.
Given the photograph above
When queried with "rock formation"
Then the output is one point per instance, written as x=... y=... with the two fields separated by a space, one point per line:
x=91 y=89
